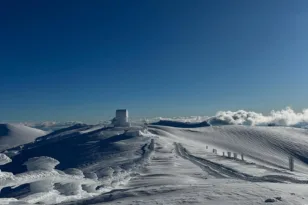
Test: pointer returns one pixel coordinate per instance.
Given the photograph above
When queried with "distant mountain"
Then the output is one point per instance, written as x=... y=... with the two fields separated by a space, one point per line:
x=178 y=124
x=12 y=135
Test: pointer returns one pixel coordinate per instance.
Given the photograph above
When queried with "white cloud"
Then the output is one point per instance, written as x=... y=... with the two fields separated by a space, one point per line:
x=285 y=117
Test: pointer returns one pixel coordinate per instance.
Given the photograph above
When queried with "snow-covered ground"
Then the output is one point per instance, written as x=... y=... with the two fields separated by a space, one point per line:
x=160 y=165
x=12 y=135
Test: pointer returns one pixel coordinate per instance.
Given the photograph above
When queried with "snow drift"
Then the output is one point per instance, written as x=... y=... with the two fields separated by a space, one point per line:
x=269 y=145
x=12 y=135
x=101 y=164
x=108 y=156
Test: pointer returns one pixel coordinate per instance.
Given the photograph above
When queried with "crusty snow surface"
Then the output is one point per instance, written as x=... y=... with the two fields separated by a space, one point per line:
x=12 y=135
x=164 y=165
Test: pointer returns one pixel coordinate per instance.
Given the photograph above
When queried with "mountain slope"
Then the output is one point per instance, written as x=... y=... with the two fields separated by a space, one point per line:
x=163 y=165
x=270 y=145
x=12 y=135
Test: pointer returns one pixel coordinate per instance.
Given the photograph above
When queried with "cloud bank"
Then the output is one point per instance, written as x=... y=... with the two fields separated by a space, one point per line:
x=285 y=117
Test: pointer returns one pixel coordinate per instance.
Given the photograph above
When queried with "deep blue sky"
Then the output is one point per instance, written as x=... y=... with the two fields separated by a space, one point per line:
x=80 y=60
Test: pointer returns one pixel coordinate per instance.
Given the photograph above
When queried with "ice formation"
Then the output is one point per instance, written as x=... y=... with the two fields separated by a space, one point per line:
x=41 y=163
x=73 y=187
x=90 y=187
x=4 y=159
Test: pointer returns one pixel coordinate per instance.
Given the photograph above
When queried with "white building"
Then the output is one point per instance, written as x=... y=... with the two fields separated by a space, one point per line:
x=121 y=119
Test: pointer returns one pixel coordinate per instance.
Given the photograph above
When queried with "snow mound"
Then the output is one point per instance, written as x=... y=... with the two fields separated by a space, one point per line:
x=94 y=159
x=41 y=163
x=12 y=135
x=74 y=171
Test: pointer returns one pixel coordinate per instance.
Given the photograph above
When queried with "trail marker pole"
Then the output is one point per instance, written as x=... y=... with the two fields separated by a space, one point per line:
x=291 y=163
x=229 y=154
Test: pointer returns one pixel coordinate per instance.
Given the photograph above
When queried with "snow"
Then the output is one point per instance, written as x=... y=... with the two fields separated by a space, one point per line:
x=4 y=159
x=161 y=165
x=41 y=163
x=12 y=135
x=263 y=144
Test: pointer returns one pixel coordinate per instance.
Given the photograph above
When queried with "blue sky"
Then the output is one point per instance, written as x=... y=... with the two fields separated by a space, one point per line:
x=80 y=60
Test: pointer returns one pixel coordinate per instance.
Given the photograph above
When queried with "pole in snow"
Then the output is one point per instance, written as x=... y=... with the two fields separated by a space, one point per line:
x=291 y=163
x=229 y=154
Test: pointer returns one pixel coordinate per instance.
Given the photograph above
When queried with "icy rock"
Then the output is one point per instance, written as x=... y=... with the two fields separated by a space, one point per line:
x=5 y=177
x=9 y=201
x=72 y=188
x=108 y=172
x=91 y=175
x=11 y=153
x=74 y=171
x=60 y=172
x=18 y=203
x=41 y=163
x=90 y=187
x=279 y=198
x=69 y=188
x=270 y=200
x=4 y=159
x=42 y=186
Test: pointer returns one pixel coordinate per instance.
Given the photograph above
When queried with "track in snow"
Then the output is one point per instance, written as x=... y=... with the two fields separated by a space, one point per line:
x=205 y=167
x=220 y=171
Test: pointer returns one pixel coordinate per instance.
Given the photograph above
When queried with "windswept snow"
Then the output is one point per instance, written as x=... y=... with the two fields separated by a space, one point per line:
x=271 y=145
x=86 y=164
x=110 y=156
x=12 y=135
x=182 y=171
